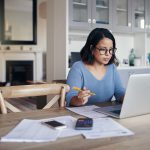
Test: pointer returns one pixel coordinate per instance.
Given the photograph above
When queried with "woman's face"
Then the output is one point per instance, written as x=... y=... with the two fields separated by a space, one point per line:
x=103 y=51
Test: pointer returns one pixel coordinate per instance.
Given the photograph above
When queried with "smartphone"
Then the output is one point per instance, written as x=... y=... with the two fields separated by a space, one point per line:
x=84 y=124
x=55 y=124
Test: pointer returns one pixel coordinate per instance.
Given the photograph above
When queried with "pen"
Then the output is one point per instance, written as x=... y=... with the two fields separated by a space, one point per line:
x=78 y=89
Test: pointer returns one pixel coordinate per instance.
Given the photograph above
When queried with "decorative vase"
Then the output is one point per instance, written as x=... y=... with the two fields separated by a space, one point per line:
x=131 y=57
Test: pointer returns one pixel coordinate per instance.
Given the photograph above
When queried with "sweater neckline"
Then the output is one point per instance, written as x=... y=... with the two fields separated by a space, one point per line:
x=87 y=70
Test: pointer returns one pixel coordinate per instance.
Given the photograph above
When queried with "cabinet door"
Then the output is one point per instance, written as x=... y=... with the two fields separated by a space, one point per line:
x=139 y=15
x=122 y=16
x=142 y=71
x=148 y=16
x=80 y=14
x=102 y=13
x=124 y=76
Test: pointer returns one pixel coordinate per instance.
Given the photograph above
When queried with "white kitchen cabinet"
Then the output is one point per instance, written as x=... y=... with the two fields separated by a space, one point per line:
x=122 y=16
x=87 y=14
x=139 y=15
x=148 y=16
x=131 y=16
x=79 y=14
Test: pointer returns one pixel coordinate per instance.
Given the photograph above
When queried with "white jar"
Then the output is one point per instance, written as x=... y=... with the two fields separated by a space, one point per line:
x=137 y=62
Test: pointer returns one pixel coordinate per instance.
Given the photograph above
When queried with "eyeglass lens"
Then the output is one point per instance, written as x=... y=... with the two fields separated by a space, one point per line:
x=104 y=51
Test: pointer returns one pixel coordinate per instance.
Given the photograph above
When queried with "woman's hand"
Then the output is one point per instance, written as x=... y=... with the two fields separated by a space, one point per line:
x=81 y=98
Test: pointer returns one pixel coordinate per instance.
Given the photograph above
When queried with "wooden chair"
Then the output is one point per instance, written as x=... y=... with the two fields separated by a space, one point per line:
x=32 y=90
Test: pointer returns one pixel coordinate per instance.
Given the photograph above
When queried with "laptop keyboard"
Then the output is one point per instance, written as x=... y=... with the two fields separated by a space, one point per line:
x=116 y=111
x=111 y=108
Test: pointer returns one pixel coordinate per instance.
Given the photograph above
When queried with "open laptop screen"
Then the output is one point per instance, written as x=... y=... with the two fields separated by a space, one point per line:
x=137 y=98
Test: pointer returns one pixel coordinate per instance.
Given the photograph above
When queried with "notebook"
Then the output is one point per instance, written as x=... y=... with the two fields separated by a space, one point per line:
x=136 y=101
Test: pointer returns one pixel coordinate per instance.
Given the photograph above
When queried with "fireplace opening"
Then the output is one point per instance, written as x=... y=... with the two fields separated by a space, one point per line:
x=19 y=72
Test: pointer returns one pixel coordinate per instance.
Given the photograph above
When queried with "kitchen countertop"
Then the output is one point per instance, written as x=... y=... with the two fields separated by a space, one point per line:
x=133 y=67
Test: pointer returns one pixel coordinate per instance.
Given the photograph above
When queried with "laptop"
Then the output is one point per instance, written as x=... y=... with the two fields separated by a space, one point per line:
x=136 y=101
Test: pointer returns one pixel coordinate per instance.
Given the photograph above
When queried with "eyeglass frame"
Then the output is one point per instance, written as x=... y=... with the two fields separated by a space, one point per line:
x=106 y=50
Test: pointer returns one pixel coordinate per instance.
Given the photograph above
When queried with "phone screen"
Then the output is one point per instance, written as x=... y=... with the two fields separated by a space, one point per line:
x=55 y=124
x=84 y=124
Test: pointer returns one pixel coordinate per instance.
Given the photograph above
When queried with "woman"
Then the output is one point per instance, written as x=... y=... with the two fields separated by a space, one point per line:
x=96 y=72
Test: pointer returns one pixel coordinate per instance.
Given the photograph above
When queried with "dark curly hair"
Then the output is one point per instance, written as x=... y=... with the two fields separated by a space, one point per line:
x=93 y=39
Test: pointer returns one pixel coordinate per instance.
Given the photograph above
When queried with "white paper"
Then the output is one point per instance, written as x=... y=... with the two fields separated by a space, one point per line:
x=70 y=122
x=31 y=131
x=70 y=130
x=106 y=127
x=34 y=131
x=87 y=111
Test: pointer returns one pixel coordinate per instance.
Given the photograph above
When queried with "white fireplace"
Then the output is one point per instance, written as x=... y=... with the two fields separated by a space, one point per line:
x=12 y=55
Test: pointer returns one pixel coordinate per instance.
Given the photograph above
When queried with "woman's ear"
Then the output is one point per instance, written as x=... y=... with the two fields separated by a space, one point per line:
x=91 y=47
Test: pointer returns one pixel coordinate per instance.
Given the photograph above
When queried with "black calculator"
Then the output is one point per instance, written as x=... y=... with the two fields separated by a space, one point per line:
x=84 y=124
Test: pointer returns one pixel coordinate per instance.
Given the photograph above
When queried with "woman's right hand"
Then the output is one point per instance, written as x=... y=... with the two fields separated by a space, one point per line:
x=81 y=98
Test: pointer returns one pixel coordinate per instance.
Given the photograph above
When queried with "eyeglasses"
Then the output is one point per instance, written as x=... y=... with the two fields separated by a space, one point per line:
x=103 y=51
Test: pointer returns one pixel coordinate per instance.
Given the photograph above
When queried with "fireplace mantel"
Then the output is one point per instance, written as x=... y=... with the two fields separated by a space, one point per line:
x=28 y=55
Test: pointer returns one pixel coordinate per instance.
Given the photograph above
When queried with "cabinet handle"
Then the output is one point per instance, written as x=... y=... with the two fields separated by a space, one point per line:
x=89 y=20
x=94 y=21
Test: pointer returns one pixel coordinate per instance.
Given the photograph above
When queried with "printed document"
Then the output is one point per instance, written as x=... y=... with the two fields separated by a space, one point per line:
x=31 y=131
x=87 y=111
x=34 y=131
x=106 y=127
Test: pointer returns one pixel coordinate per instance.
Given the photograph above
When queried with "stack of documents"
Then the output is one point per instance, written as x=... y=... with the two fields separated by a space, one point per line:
x=34 y=131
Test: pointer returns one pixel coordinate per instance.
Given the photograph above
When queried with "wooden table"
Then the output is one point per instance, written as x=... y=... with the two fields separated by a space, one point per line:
x=139 y=125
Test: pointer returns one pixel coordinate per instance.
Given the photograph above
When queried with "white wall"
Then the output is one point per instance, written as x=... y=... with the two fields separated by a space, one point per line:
x=57 y=39
x=124 y=43
x=42 y=31
x=42 y=26
x=75 y=46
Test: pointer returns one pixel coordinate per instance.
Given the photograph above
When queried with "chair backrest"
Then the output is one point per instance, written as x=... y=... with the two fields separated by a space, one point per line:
x=59 y=90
